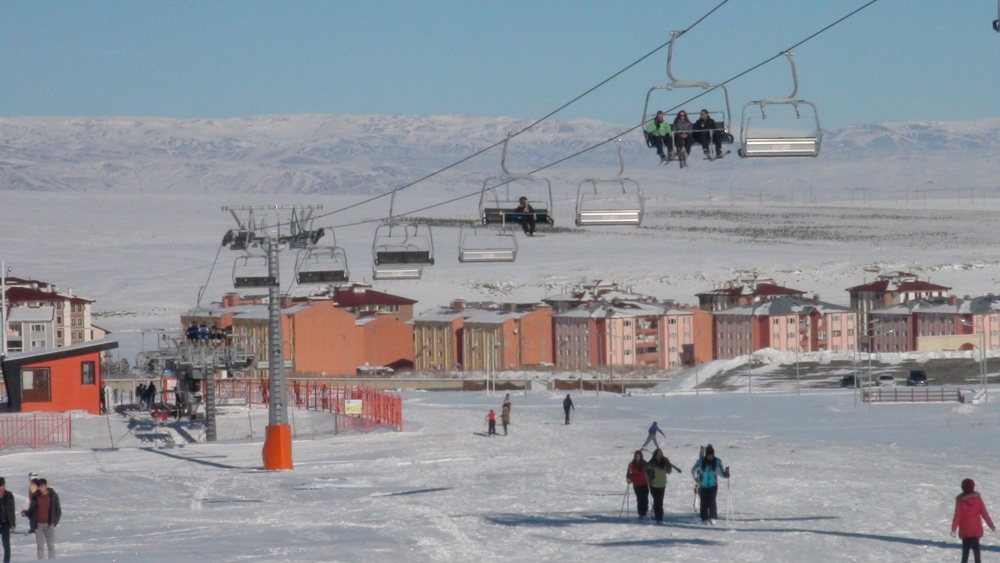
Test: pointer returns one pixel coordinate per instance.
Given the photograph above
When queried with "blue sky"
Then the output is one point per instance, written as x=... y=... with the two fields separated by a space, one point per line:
x=899 y=60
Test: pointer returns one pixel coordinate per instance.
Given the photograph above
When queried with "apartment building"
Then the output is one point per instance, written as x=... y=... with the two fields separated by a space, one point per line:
x=791 y=324
x=893 y=288
x=743 y=291
x=937 y=324
x=70 y=323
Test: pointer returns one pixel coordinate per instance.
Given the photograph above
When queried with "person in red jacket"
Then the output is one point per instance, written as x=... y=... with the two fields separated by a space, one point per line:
x=969 y=515
x=491 y=419
x=636 y=476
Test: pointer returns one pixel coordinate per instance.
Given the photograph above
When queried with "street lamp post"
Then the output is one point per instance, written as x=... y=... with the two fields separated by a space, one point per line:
x=797 y=386
x=982 y=355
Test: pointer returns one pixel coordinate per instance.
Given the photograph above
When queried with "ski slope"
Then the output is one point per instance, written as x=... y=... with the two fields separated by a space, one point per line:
x=815 y=478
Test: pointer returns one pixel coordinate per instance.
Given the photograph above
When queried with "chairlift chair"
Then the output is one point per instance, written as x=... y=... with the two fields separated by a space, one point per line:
x=996 y=22
x=322 y=265
x=762 y=145
x=252 y=271
x=497 y=210
x=486 y=244
x=400 y=250
x=723 y=116
x=603 y=207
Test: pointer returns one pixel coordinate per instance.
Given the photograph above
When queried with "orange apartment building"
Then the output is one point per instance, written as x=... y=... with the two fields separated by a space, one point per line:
x=437 y=338
x=500 y=339
x=790 y=324
x=937 y=324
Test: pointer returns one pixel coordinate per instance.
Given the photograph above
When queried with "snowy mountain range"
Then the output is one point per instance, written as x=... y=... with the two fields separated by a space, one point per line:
x=364 y=154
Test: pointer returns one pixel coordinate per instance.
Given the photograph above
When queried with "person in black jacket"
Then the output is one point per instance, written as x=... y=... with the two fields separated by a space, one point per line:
x=705 y=130
x=567 y=405
x=7 y=518
x=46 y=511
x=527 y=216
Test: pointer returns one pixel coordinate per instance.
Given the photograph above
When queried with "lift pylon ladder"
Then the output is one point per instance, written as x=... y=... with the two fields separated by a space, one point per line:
x=499 y=209
x=721 y=115
x=478 y=243
x=761 y=145
x=323 y=264
x=597 y=206
x=401 y=249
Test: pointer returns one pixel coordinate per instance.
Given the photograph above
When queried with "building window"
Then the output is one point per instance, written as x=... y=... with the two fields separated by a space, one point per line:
x=35 y=386
x=776 y=321
x=673 y=321
x=37 y=328
x=850 y=332
x=36 y=344
x=836 y=333
x=88 y=373
x=821 y=335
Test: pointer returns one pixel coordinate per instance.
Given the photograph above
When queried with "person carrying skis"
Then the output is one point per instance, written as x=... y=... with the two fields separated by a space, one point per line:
x=707 y=130
x=527 y=216
x=491 y=419
x=968 y=520
x=658 y=135
x=658 y=467
x=652 y=436
x=636 y=476
x=567 y=405
x=706 y=473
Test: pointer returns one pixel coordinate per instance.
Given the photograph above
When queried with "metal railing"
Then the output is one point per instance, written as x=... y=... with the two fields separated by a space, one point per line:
x=36 y=430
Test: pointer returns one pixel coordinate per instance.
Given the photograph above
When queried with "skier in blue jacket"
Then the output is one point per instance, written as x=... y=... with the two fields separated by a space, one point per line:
x=706 y=473
x=652 y=435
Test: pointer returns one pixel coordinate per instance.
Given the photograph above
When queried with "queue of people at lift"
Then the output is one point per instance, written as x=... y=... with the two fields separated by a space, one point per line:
x=676 y=139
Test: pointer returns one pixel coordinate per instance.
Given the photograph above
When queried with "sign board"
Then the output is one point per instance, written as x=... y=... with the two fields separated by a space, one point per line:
x=354 y=407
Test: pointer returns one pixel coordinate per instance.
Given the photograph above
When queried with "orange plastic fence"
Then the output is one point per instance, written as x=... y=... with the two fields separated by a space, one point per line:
x=379 y=408
x=36 y=429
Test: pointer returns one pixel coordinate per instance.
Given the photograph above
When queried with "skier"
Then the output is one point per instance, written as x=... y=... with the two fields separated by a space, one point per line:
x=492 y=420
x=706 y=472
x=659 y=466
x=192 y=333
x=505 y=417
x=636 y=476
x=652 y=436
x=707 y=130
x=969 y=508
x=658 y=134
x=8 y=518
x=527 y=216
x=567 y=405
x=32 y=493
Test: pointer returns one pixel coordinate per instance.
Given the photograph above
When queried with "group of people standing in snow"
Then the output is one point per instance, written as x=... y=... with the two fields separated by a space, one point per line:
x=491 y=418
x=43 y=514
x=650 y=478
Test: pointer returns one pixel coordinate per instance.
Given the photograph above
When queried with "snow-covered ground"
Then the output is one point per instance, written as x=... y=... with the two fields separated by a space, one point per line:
x=815 y=478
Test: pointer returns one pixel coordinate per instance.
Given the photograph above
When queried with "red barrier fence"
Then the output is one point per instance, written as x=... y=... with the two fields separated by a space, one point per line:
x=36 y=429
x=377 y=409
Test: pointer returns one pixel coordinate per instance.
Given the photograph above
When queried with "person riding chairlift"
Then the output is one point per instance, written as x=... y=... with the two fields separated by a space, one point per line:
x=527 y=216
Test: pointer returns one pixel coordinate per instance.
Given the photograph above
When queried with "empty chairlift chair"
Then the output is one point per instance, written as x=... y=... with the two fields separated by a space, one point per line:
x=400 y=249
x=498 y=201
x=253 y=271
x=755 y=142
x=322 y=265
x=486 y=244
x=609 y=201
x=719 y=110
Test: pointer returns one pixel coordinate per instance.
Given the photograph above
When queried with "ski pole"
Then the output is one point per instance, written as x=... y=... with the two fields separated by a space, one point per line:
x=729 y=501
x=623 y=512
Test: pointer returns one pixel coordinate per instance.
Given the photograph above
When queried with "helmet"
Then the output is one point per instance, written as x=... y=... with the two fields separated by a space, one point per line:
x=523 y=199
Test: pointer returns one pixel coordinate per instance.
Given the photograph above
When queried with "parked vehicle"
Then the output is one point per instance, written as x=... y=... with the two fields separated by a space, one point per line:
x=886 y=381
x=917 y=378
x=850 y=381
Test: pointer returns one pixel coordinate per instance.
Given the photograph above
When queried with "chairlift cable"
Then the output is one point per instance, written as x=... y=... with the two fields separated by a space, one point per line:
x=527 y=127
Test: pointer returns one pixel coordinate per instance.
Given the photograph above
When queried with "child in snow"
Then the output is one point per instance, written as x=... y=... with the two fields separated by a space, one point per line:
x=492 y=420
x=635 y=475
x=706 y=473
x=505 y=418
x=652 y=436
x=968 y=520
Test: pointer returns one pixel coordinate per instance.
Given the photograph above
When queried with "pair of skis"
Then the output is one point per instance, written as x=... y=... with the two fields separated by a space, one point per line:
x=680 y=157
x=708 y=155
